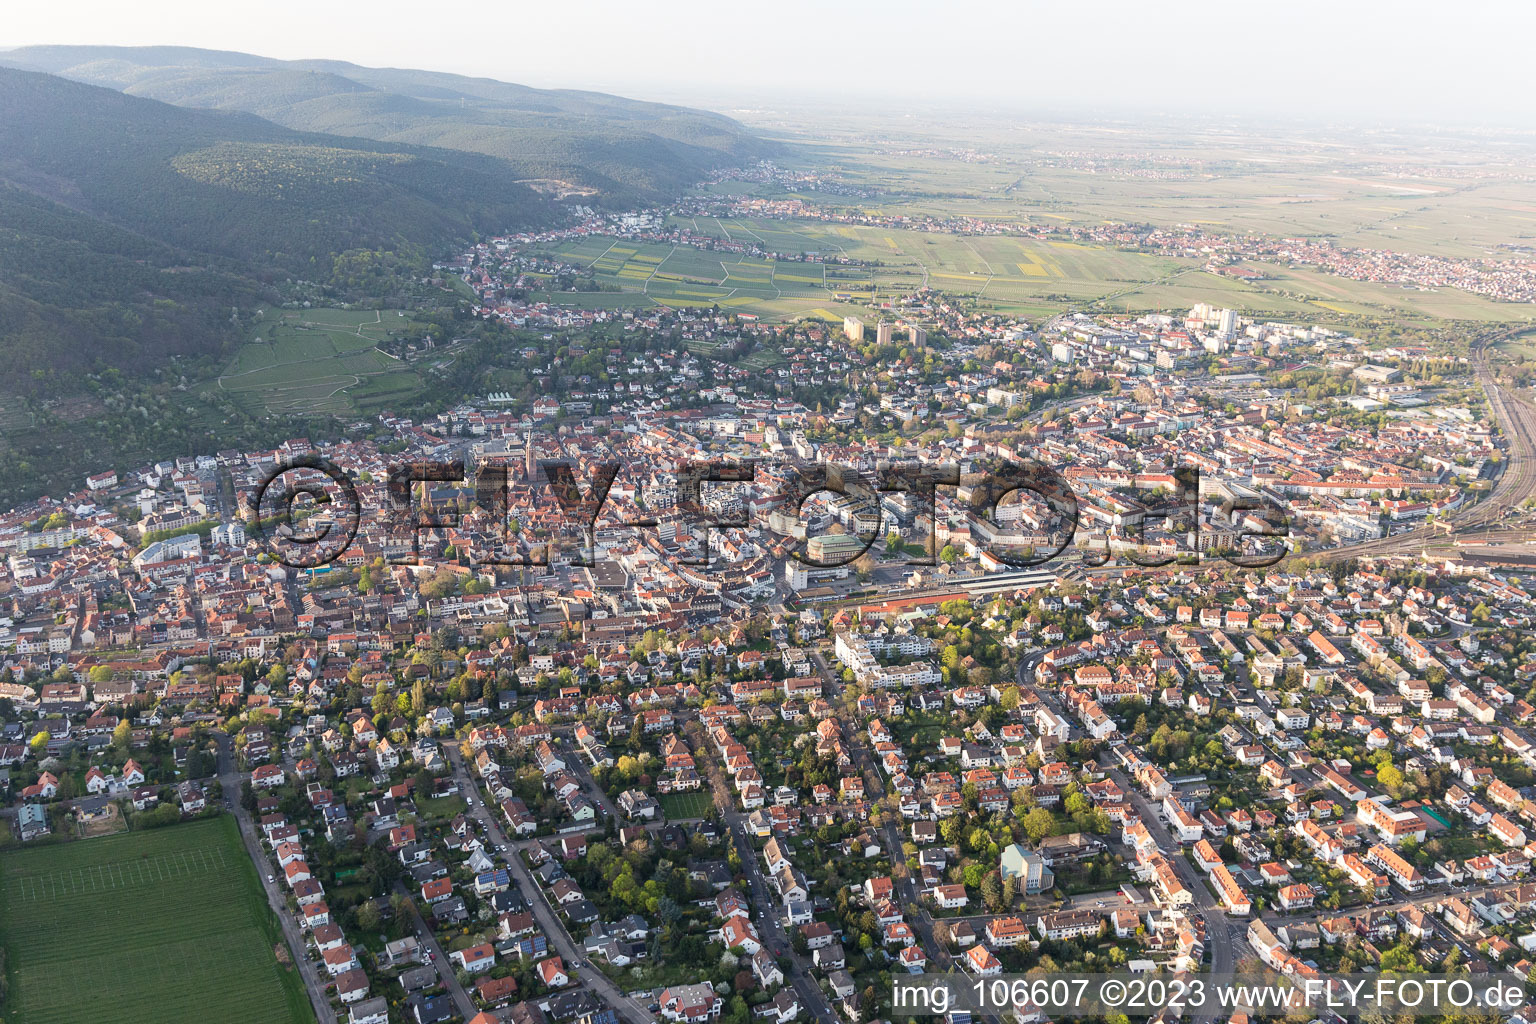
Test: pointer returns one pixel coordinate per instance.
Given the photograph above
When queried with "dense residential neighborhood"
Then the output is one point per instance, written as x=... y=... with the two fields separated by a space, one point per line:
x=495 y=761
x=975 y=522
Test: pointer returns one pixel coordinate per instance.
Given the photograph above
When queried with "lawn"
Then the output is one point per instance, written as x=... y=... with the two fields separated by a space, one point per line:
x=159 y=927
x=695 y=804
x=442 y=808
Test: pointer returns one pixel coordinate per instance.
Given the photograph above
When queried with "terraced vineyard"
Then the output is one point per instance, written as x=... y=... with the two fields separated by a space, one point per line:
x=320 y=361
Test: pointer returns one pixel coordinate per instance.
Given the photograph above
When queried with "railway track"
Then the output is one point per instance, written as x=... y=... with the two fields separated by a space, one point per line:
x=1515 y=485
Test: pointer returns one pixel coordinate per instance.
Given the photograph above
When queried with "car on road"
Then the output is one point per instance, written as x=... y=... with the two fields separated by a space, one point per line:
x=271 y=879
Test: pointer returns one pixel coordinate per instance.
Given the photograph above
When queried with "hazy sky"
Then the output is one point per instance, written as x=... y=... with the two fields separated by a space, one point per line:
x=1398 y=61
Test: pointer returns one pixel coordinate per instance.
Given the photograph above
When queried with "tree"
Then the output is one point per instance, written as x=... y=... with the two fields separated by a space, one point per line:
x=992 y=893
x=941 y=933
x=400 y=905
x=1400 y=958
x=628 y=768
x=1390 y=776
x=122 y=734
x=950 y=828
x=39 y=743
x=368 y=917
x=1039 y=823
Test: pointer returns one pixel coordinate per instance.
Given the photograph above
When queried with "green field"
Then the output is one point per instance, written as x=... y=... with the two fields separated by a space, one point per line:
x=668 y=275
x=1402 y=196
x=806 y=279
x=443 y=808
x=315 y=361
x=1520 y=345
x=695 y=804
x=156 y=927
x=1023 y=276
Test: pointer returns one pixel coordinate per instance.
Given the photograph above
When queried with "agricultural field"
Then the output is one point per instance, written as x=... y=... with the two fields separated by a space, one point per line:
x=143 y=928
x=1026 y=277
x=1402 y=196
x=319 y=361
x=695 y=804
x=1328 y=293
x=1010 y=274
x=1221 y=178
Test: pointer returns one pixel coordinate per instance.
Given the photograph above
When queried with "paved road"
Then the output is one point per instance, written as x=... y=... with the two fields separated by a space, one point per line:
x=1226 y=936
x=771 y=925
x=314 y=982
x=1222 y=937
x=1424 y=899
x=440 y=962
x=905 y=886
x=768 y=910
x=559 y=939
x=890 y=832
x=578 y=767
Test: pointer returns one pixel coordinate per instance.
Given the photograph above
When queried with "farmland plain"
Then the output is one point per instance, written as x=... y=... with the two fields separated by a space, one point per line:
x=817 y=269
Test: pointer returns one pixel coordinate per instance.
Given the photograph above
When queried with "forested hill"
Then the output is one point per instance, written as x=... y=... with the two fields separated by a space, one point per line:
x=129 y=228
x=234 y=185
x=626 y=149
